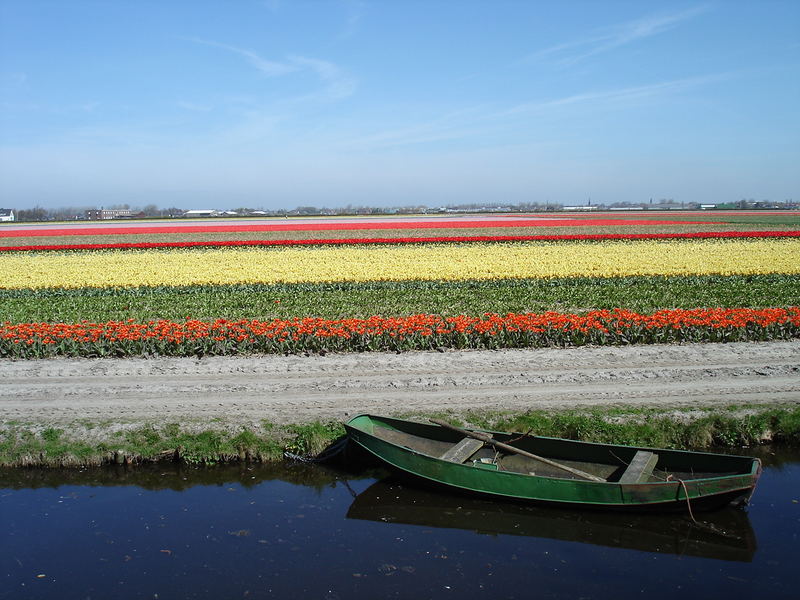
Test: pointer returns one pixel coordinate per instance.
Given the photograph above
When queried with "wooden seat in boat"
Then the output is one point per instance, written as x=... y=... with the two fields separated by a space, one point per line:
x=461 y=451
x=641 y=468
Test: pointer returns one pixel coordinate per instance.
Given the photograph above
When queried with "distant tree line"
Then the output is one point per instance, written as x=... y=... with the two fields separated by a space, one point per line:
x=77 y=213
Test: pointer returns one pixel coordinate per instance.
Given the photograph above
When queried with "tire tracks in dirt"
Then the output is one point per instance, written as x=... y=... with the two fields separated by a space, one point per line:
x=283 y=389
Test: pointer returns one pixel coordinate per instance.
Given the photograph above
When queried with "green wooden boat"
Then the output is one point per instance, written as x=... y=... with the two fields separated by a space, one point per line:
x=551 y=470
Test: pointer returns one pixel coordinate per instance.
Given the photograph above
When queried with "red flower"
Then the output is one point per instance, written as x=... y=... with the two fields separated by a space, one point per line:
x=410 y=240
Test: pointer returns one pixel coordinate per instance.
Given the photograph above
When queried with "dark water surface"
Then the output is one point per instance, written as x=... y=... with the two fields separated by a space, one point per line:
x=298 y=531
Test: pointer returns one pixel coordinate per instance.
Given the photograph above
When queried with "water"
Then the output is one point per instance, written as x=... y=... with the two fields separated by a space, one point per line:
x=312 y=532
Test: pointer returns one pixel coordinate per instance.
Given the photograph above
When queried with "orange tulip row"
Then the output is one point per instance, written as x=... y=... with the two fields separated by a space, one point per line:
x=416 y=332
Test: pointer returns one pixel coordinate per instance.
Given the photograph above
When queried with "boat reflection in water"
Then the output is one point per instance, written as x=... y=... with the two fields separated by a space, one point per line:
x=725 y=534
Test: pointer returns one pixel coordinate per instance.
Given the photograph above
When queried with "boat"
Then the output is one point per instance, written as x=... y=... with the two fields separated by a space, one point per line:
x=725 y=534
x=556 y=471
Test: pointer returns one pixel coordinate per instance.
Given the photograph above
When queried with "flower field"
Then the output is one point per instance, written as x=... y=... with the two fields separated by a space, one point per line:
x=184 y=296
x=426 y=228
x=414 y=332
x=398 y=262
x=338 y=225
x=403 y=240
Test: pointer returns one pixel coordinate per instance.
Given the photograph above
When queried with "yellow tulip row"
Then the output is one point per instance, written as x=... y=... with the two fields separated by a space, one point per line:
x=180 y=267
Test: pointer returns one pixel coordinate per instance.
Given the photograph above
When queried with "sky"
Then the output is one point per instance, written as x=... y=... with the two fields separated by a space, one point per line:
x=283 y=103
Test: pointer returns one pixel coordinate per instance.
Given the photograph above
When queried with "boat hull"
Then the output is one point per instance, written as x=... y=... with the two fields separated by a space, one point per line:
x=370 y=432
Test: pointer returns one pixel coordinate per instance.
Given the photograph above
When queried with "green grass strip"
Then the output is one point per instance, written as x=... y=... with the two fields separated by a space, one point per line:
x=642 y=294
x=712 y=428
x=84 y=443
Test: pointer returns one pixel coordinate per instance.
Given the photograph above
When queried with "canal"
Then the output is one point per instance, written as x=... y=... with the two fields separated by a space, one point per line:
x=309 y=531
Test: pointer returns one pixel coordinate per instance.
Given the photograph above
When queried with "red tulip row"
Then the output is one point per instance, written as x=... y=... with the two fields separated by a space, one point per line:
x=417 y=332
x=411 y=240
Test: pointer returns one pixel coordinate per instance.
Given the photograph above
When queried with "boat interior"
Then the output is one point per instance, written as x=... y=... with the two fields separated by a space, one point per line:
x=563 y=459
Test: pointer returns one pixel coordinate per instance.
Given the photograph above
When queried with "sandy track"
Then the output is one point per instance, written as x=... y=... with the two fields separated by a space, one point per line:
x=298 y=388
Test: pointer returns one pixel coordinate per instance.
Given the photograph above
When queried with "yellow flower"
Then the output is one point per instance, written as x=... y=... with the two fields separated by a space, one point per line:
x=181 y=267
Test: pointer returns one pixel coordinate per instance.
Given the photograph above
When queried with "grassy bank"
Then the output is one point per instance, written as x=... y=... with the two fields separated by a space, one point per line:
x=85 y=443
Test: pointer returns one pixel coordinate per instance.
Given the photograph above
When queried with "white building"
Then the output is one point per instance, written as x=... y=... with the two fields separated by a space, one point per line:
x=6 y=214
x=201 y=213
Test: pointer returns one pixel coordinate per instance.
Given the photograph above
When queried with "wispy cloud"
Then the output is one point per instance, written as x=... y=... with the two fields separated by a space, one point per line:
x=272 y=5
x=355 y=12
x=618 y=96
x=480 y=121
x=338 y=84
x=613 y=37
x=427 y=133
x=267 y=67
x=455 y=125
x=16 y=80
x=193 y=107
x=55 y=109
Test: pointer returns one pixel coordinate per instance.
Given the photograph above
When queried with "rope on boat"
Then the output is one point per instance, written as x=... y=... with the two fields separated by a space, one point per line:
x=326 y=454
x=520 y=437
x=702 y=524
x=688 y=503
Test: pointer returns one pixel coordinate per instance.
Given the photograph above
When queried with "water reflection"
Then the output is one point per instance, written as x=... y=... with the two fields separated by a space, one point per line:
x=725 y=534
x=179 y=477
x=305 y=531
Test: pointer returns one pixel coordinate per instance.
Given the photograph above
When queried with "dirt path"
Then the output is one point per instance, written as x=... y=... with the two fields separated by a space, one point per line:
x=285 y=389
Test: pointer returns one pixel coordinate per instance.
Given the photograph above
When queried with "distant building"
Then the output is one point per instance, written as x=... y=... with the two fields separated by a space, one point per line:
x=587 y=207
x=112 y=213
x=201 y=213
x=6 y=214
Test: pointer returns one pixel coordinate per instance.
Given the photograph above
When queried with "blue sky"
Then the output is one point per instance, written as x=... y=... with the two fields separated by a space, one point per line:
x=282 y=103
